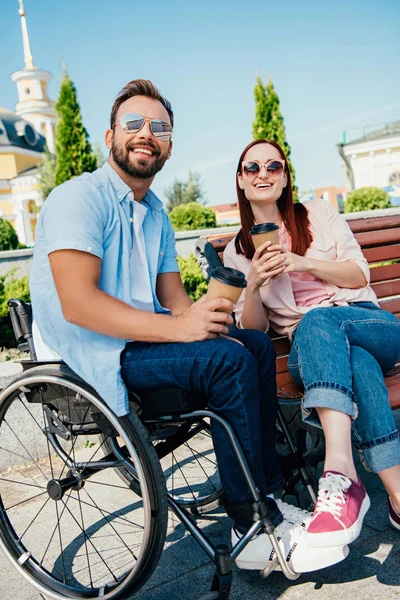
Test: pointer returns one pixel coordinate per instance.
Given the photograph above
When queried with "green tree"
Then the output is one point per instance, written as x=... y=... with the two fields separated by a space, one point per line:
x=268 y=123
x=186 y=217
x=100 y=158
x=366 y=198
x=47 y=174
x=183 y=192
x=8 y=236
x=73 y=151
x=192 y=277
x=10 y=287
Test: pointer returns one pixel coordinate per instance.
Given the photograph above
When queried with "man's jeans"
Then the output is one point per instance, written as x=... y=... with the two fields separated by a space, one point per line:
x=239 y=383
x=341 y=354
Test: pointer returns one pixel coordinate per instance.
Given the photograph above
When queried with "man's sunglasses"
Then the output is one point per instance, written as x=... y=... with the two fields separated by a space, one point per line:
x=273 y=167
x=162 y=130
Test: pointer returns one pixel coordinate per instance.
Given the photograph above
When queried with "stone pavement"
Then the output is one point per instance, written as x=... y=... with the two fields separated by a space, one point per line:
x=371 y=571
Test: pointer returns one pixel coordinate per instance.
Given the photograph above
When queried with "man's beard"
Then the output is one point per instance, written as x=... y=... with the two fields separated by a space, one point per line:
x=142 y=170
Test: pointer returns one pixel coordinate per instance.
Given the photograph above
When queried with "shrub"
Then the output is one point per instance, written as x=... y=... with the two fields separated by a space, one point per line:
x=8 y=236
x=366 y=198
x=192 y=277
x=10 y=287
x=186 y=217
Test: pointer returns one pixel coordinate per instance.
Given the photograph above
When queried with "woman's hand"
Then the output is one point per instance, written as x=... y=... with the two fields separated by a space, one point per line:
x=264 y=268
x=293 y=263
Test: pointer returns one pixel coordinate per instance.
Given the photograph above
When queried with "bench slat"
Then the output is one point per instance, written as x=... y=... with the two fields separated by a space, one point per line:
x=386 y=288
x=382 y=253
x=384 y=273
x=374 y=223
x=392 y=305
x=378 y=238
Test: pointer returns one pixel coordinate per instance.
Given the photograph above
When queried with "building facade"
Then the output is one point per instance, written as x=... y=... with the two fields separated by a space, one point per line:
x=23 y=138
x=372 y=158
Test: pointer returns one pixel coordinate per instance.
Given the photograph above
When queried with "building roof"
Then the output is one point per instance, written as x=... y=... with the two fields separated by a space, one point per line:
x=224 y=207
x=15 y=131
x=367 y=134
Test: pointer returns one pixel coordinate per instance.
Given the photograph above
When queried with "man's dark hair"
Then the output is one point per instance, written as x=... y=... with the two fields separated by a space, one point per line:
x=140 y=87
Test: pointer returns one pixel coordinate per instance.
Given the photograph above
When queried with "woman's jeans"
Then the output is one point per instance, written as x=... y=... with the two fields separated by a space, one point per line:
x=341 y=354
x=239 y=384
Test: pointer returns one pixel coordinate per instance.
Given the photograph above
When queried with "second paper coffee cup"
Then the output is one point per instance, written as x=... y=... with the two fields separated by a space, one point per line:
x=226 y=282
x=264 y=232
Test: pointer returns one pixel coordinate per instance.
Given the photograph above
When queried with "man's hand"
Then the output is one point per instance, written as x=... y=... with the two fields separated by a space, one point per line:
x=204 y=320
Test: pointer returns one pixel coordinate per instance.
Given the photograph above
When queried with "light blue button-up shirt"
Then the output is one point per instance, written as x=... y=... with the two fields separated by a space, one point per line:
x=91 y=213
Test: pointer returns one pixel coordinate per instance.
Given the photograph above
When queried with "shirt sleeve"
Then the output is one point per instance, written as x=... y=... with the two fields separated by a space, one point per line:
x=72 y=219
x=169 y=263
x=230 y=256
x=347 y=247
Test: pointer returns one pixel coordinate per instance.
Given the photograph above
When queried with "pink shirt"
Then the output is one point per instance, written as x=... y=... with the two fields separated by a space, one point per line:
x=333 y=241
x=307 y=289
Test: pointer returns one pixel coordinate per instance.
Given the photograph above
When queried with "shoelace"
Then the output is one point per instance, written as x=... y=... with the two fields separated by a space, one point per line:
x=331 y=494
x=291 y=512
x=292 y=530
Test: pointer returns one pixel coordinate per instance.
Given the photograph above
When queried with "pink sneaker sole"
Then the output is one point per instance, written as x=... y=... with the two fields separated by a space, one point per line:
x=340 y=537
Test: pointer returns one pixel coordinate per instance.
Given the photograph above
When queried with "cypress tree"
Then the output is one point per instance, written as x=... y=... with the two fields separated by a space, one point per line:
x=73 y=150
x=268 y=123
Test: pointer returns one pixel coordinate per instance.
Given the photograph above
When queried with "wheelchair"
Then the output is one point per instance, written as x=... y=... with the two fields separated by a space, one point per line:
x=100 y=486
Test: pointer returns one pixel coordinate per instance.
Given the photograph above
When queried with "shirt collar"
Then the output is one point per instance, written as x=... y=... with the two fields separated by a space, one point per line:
x=122 y=189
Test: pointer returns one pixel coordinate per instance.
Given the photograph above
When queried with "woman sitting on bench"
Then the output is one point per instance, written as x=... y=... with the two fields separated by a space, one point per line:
x=313 y=287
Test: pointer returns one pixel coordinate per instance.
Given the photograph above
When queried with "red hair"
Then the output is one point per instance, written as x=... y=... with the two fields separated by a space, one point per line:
x=294 y=215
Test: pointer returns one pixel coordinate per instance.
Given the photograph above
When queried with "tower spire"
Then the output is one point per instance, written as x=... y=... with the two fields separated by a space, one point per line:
x=25 y=38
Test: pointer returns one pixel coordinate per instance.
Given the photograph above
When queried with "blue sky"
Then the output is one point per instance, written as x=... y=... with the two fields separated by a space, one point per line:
x=334 y=64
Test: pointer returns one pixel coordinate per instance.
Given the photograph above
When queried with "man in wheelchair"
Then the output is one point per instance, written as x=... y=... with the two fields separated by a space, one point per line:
x=108 y=299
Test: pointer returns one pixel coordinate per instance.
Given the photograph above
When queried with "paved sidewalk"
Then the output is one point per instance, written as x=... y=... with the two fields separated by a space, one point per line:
x=371 y=571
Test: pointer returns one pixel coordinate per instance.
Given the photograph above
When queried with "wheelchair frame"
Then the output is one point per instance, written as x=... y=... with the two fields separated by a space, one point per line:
x=221 y=556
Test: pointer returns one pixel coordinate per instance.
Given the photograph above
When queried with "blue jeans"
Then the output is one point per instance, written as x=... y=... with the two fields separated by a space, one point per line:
x=341 y=354
x=239 y=383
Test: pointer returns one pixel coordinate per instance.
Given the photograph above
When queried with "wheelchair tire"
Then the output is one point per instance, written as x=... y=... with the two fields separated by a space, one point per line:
x=67 y=523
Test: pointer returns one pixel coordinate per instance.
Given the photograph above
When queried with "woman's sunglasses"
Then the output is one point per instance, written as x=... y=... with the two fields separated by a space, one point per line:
x=162 y=130
x=273 y=167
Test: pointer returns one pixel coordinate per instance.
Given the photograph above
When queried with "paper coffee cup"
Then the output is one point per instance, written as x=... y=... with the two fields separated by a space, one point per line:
x=264 y=232
x=226 y=283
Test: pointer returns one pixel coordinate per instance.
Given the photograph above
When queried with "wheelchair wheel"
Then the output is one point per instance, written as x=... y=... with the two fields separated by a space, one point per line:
x=190 y=467
x=68 y=523
x=188 y=461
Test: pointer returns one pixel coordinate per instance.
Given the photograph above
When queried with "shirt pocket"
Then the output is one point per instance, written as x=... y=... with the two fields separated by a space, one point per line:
x=322 y=248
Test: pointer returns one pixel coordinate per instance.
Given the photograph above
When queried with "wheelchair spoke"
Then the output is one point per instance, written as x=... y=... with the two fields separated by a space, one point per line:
x=90 y=542
x=60 y=539
x=34 y=519
x=110 y=524
x=26 y=450
x=123 y=519
x=86 y=548
x=52 y=535
x=195 y=456
x=41 y=487
x=23 y=501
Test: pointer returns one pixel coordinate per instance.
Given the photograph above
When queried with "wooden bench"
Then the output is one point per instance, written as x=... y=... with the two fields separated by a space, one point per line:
x=379 y=238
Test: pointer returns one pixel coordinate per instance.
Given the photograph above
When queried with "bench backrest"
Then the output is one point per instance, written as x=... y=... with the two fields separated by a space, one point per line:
x=379 y=238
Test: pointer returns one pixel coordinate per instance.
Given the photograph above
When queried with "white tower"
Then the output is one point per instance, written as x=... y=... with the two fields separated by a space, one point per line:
x=34 y=104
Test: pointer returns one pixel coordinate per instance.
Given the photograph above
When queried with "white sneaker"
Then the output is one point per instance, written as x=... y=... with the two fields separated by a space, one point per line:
x=293 y=542
x=294 y=513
